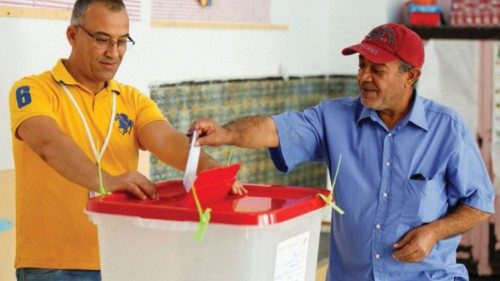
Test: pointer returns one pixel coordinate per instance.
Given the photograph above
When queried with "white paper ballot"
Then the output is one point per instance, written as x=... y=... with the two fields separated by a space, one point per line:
x=192 y=164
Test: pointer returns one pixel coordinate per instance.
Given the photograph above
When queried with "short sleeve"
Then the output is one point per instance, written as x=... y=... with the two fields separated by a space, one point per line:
x=300 y=138
x=28 y=98
x=468 y=181
x=146 y=111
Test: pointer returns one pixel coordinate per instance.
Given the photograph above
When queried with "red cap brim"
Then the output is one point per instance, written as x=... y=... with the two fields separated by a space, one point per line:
x=371 y=52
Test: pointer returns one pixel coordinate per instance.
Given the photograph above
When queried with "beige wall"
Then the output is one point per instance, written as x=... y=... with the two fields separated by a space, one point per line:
x=8 y=238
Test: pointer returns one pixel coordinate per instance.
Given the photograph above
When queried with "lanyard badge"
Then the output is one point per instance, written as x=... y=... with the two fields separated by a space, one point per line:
x=97 y=153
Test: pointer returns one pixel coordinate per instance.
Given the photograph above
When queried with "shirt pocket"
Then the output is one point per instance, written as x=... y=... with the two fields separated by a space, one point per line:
x=424 y=202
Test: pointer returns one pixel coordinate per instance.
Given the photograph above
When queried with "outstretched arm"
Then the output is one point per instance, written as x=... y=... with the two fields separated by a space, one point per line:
x=249 y=132
x=44 y=137
x=172 y=148
x=417 y=243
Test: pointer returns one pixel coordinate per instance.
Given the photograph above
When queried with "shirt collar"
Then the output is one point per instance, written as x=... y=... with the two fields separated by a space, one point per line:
x=416 y=115
x=61 y=74
x=364 y=114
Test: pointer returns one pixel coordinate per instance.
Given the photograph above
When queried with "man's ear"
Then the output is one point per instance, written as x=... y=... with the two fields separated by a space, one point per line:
x=413 y=75
x=70 y=34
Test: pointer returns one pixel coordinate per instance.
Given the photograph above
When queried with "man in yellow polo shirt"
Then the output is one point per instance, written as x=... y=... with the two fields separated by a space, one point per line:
x=66 y=123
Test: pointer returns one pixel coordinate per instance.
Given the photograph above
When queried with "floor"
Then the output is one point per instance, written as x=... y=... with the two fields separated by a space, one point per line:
x=323 y=261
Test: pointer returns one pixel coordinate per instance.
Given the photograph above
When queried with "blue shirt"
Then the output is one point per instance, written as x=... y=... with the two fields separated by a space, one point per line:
x=376 y=185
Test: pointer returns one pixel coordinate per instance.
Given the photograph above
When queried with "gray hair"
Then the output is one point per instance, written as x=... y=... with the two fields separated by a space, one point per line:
x=81 y=6
x=405 y=67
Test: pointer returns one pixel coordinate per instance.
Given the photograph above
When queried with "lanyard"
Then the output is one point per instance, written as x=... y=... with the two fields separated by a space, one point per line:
x=97 y=154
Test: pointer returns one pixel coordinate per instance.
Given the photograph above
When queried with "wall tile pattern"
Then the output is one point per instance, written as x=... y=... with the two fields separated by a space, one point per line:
x=226 y=100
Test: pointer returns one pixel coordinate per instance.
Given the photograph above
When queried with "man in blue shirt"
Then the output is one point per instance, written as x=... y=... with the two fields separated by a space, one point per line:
x=411 y=180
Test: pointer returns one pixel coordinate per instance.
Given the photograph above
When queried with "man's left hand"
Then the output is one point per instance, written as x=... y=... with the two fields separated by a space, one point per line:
x=416 y=244
x=238 y=188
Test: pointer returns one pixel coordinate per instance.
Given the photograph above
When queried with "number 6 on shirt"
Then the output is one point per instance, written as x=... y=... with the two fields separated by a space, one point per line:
x=23 y=96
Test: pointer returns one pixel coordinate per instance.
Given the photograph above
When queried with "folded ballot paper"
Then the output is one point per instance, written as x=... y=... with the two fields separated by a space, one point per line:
x=192 y=164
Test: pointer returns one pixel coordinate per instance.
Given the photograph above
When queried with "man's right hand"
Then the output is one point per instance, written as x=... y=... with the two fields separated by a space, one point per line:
x=43 y=135
x=210 y=133
x=131 y=182
x=257 y=131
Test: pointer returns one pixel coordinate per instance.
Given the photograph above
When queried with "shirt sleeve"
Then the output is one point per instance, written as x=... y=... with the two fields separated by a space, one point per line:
x=147 y=111
x=27 y=99
x=300 y=136
x=468 y=180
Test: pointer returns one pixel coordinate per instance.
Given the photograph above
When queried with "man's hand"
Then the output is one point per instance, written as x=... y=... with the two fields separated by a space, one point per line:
x=210 y=133
x=43 y=135
x=238 y=188
x=416 y=244
x=257 y=131
x=131 y=182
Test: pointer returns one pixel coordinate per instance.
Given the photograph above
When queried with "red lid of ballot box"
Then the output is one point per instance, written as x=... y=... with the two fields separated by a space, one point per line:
x=262 y=205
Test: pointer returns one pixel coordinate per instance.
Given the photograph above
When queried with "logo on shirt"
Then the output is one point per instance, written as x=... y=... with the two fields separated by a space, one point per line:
x=124 y=124
x=23 y=96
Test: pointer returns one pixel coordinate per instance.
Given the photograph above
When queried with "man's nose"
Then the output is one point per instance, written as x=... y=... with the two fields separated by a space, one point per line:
x=112 y=50
x=364 y=74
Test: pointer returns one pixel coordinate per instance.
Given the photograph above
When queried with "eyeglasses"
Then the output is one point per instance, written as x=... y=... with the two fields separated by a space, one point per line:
x=104 y=42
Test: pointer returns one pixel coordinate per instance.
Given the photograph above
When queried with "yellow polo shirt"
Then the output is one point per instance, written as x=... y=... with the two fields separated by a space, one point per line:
x=52 y=229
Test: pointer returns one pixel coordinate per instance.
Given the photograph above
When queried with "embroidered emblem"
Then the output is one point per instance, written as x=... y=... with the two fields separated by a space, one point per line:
x=383 y=34
x=124 y=124
x=23 y=96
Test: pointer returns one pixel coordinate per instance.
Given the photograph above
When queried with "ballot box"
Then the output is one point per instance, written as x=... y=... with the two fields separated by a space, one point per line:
x=271 y=233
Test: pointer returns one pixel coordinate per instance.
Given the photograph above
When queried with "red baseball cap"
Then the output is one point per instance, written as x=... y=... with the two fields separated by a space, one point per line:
x=390 y=42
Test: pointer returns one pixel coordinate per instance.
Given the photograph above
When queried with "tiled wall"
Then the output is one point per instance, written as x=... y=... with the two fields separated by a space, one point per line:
x=226 y=100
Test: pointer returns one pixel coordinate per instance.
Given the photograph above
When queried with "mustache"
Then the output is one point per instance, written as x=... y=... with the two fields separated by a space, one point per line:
x=367 y=86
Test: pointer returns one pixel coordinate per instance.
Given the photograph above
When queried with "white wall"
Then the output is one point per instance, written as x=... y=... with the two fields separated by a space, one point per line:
x=28 y=47
x=318 y=30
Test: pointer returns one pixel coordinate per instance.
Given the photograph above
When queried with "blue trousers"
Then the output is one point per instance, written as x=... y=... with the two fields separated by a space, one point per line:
x=47 y=274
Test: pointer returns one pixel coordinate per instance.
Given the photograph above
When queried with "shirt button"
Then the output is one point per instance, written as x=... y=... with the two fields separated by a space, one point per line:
x=389 y=134
x=377 y=256
x=388 y=163
x=384 y=194
x=377 y=226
